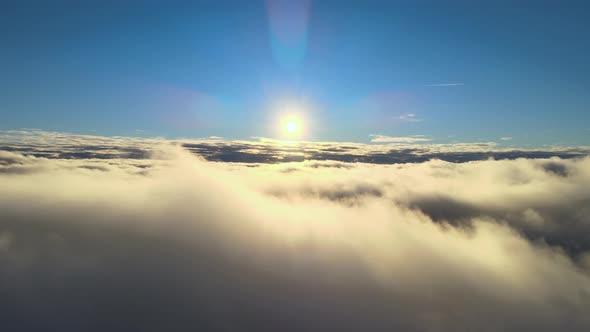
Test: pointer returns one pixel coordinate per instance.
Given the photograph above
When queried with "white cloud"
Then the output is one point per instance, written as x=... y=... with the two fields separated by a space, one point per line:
x=506 y=138
x=264 y=150
x=174 y=242
x=410 y=117
x=398 y=139
x=445 y=84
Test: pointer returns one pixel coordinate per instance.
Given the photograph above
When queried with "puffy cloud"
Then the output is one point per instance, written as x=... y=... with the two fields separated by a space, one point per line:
x=173 y=242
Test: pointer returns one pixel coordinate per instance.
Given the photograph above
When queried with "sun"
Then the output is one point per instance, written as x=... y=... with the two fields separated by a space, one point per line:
x=291 y=126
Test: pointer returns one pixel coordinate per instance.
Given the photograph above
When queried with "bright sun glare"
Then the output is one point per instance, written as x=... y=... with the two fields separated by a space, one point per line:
x=291 y=127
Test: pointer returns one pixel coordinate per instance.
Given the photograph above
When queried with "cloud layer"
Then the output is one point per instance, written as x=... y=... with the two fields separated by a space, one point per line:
x=170 y=241
x=390 y=150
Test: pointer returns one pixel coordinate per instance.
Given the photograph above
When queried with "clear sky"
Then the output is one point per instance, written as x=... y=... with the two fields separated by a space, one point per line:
x=450 y=70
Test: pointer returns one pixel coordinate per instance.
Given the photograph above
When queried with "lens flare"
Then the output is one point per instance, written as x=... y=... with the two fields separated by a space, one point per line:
x=289 y=20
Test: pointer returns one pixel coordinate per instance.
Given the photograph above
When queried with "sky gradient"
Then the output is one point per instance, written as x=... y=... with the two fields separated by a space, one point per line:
x=294 y=165
x=460 y=71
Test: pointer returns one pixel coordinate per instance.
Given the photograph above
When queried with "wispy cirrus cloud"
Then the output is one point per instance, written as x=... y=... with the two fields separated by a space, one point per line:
x=398 y=139
x=444 y=84
x=410 y=117
x=506 y=138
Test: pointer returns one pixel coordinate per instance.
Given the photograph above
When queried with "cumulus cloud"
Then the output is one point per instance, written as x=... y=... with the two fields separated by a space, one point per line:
x=174 y=242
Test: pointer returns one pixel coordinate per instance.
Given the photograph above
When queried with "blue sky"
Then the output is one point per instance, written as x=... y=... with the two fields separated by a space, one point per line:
x=451 y=70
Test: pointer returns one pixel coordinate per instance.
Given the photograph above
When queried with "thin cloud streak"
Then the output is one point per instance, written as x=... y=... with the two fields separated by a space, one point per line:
x=445 y=84
x=410 y=117
x=398 y=139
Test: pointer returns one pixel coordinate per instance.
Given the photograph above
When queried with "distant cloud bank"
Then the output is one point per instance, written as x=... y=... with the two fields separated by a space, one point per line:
x=383 y=150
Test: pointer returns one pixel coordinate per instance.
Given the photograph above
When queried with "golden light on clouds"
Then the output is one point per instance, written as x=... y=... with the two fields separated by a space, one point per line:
x=386 y=236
